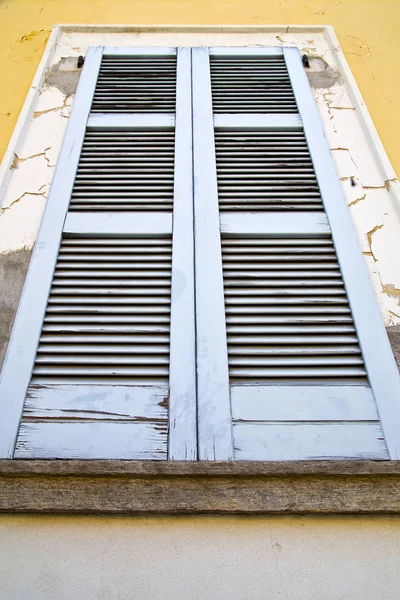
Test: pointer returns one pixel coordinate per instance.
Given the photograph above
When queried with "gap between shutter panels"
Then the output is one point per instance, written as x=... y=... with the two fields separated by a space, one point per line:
x=136 y=84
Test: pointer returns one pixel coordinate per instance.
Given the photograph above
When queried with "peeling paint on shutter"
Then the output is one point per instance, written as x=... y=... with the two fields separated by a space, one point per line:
x=294 y=378
x=120 y=309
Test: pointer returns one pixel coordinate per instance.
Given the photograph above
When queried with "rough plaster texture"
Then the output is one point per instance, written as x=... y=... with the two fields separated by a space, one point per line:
x=13 y=268
x=199 y=558
x=394 y=338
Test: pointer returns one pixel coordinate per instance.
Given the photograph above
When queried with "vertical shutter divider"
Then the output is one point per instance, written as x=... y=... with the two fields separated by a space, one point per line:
x=214 y=407
x=378 y=357
x=24 y=339
x=182 y=439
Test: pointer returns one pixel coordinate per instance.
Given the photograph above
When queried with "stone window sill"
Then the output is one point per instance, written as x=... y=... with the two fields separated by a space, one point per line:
x=152 y=487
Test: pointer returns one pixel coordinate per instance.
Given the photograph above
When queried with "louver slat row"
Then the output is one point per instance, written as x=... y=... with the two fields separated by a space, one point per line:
x=125 y=170
x=251 y=85
x=265 y=170
x=108 y=322
x=136 y=84
x=287 y=314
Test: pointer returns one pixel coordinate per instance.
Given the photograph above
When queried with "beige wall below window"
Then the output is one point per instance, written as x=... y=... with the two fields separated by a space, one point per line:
x=199 y=558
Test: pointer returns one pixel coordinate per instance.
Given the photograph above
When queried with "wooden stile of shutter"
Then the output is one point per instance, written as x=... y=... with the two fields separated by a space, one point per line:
x=104 y=381
x=300 y=376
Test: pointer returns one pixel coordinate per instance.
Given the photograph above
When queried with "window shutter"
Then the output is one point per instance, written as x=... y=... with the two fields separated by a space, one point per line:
x=292 y=355
x=101 y=361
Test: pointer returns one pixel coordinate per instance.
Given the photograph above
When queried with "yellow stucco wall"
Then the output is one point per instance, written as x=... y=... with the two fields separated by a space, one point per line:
x=368 y=31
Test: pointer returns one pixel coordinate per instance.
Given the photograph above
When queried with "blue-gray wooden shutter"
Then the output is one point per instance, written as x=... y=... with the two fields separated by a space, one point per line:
x=292 y=355
x=101 y=360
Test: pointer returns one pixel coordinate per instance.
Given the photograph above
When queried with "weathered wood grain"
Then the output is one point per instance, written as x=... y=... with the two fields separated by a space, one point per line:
x=20 y=357
x=139 y=224
x=303 y=403
x=274 y=224
x=260 y=440
x=97 y=439
x=107 y=403
x=146 y=487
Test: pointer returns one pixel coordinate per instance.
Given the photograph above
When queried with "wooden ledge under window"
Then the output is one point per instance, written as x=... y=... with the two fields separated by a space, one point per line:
x=144 y=487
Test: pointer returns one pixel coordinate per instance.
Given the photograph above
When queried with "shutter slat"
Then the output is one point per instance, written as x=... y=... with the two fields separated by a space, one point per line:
x=120 y=80
x=96 y=189
x=108 y=319
x=260 y=186
x=267 y=77
x=244 y=319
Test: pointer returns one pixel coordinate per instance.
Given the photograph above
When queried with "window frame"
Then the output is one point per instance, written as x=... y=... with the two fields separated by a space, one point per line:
x=385 y=381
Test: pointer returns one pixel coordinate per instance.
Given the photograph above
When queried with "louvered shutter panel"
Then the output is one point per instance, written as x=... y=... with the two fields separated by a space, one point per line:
x=102 y=353
x=293 y=359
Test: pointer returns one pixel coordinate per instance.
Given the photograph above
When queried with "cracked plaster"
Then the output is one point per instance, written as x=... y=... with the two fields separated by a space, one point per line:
x=370 y=201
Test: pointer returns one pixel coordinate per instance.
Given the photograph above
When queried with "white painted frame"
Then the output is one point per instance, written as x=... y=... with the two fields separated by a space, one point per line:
x=21 y=351
x=378 y=357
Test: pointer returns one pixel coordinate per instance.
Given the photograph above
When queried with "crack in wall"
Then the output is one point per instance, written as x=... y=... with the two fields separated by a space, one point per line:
x=391 y=290
x=385 y=186
x=349 y=153
x=276 y=548
x=43 y=194
x=322 y=11
x=357 y=200
x=17 y=160
x=369 y=238
x=39 y=113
